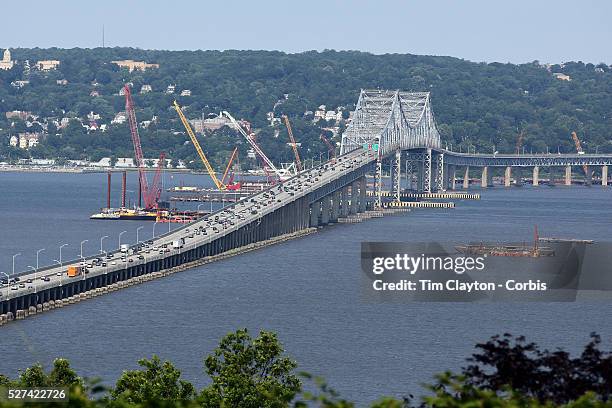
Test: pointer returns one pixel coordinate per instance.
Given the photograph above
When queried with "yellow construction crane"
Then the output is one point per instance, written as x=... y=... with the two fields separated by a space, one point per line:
x=195 y=142
x=298 y=162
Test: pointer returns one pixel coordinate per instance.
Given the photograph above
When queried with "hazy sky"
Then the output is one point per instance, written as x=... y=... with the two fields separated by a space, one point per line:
x=478 y=30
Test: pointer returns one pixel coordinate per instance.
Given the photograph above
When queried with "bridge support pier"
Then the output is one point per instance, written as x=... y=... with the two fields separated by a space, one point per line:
x=377 y=185
x=344 y=205
x=335 y=209
x=363 y=186
x=508 y=176
x=588 y=175
x=604 y=175
x=453 y=176
x=325 y=209
x=315 y=210
x=568 y=175
x=486 y=178
x=439 y=174
x=536 y=175
x=354 y=198
x=466 y=178
x=427 y=170
x=397 y=170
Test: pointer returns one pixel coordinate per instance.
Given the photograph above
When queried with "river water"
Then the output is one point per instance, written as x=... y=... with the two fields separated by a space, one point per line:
x=306 y=290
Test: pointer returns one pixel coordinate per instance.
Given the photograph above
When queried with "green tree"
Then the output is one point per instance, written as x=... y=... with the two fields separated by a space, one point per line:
x=156 y=382
x=250 y=373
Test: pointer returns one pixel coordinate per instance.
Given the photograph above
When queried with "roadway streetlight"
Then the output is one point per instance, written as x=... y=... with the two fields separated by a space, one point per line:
x=37 y=253
x=199 y=205
x=120 y=234
x=137 y=231
x=14 y=256
x=82 y=242
x=102 y=240
x=60 y=260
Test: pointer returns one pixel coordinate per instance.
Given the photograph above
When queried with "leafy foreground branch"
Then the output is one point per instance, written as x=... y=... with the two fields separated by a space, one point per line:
x=251 y=372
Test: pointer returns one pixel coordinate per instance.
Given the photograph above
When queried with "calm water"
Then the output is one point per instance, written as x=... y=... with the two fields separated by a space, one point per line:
x=307 y=290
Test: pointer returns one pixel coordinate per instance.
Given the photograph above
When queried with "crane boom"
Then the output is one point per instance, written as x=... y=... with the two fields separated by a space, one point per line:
x=198 y=148
x=254 y=145
x=142 y=176
x=298 y=162
x=331 y=149
x=155 y=191
x=577 y=143
x=585 y=168
x=229 y=164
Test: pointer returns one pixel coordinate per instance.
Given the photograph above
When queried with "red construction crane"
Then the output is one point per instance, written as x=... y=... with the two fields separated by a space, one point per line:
x=155 y=190
x=330 y=148
x=142 y=176
x=230 y=184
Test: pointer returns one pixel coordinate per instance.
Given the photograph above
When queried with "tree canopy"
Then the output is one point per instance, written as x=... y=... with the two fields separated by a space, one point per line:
x=476 y=104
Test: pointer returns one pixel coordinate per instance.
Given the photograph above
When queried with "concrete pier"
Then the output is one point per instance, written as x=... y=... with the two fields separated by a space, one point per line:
x=466 y=178
x=536 y=175
x=508 y=176
x=486 y=178
x=568 y=175
x=588 y=175
x=604 y=175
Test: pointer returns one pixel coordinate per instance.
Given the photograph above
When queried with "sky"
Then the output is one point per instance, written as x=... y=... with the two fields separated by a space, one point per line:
x=515 y=31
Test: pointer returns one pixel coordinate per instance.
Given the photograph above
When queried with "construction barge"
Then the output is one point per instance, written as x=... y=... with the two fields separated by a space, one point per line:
x=140 y=214
x=523 y=250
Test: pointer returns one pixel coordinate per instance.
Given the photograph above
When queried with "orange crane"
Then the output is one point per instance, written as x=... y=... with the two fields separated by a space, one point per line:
x=330 y=148
x=580 y=151
x=298 y=162
x=229 y=166
x=213 y=175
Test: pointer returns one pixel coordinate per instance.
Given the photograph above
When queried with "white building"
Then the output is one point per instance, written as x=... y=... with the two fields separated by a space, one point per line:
x=19 y=84
x=14 y=141
x=170 y=89
x=6 y=62
x=119 y=118
x=47 y=65
x=186 y=92
x=125 y=162
x=146 y=89
x=562 y=77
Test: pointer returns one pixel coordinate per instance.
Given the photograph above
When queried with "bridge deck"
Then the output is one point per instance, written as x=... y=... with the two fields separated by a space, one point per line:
x=212 y=228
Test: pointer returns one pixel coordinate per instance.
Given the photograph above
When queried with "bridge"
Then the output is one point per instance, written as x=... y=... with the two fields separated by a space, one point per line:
x=387 y=126
x=400 y=126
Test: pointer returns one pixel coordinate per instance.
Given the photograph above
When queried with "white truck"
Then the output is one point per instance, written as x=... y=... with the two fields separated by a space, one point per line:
x=124 y=248
x=178 y=243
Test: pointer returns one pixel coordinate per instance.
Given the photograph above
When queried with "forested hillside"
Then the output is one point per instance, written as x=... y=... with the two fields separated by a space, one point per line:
x=476 y=104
